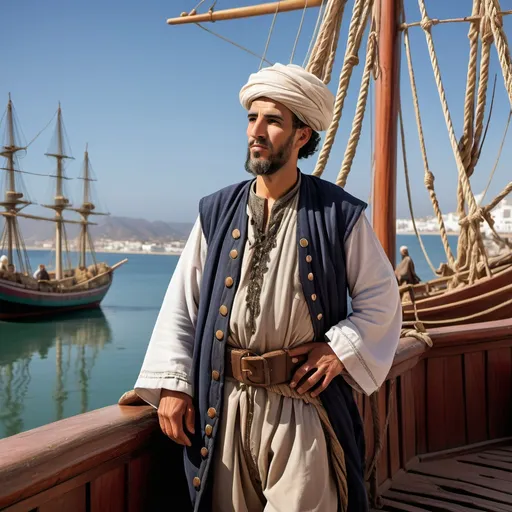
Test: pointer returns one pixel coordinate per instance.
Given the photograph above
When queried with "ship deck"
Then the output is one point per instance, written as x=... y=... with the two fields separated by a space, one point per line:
x=479 y=480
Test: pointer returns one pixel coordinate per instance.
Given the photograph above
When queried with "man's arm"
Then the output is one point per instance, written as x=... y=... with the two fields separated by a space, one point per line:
x=366 y=341
x=168 y=361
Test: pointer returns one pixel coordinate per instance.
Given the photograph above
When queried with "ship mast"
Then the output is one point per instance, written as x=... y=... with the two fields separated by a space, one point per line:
x=386 y=118
x=60 y=201
x=10 y=193
x=13 y=200
x=85 y=210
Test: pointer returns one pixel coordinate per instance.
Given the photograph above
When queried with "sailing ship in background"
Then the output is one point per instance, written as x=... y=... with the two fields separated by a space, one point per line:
x=22 y=296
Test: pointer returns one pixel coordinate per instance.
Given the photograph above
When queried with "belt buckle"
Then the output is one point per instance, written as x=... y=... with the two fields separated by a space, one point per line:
x=247 y=372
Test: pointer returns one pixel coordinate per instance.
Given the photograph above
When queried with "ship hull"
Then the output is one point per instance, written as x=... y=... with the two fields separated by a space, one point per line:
x=488 y=299
x=19 y=303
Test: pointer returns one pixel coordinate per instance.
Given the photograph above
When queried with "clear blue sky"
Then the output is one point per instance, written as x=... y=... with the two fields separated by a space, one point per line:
x=159 y=106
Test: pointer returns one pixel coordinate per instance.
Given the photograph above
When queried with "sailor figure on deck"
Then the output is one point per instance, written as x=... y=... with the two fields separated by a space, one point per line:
x=247 y=357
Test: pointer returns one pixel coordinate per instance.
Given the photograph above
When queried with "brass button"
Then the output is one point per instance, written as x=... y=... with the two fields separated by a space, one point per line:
x=233 y=254
x=313 y=297
x=196 y=482
x=215 y=375
x=204 y=452
x=236 y=234
x=211 y=413
x=223 y=310
x=303 y=242
x=229 y=282
x=320 y=316
x=219 y=335
x=310 y=276
x=309 y=259
x=208 y=430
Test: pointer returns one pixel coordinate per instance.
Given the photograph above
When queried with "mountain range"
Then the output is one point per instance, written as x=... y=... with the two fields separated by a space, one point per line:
x=111 y=227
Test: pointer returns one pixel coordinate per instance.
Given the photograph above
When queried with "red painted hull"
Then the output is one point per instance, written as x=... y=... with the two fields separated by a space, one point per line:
x=19 y=303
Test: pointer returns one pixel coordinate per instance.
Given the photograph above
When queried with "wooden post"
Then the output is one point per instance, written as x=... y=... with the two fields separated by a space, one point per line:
x=386 y=115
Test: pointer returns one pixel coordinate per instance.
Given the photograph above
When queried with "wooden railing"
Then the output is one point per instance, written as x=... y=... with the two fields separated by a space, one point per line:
x=459 y=393
x=116 y=459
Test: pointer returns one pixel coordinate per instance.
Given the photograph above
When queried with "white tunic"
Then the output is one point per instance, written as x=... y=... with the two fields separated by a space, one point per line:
x=286 y=448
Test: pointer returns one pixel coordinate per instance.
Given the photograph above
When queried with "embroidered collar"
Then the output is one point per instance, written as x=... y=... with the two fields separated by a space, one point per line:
x=257 y=204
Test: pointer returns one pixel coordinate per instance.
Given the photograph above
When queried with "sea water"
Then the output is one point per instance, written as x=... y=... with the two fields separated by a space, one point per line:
x=64 y=366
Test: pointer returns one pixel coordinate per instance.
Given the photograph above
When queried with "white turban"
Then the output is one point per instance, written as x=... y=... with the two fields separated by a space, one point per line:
x=297 y=89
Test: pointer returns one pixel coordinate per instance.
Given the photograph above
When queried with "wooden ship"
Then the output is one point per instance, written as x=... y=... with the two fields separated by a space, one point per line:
x=438 y=432
x=22 y=294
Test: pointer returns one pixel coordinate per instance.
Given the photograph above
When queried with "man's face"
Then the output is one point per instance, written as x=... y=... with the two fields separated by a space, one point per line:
x=270 y=135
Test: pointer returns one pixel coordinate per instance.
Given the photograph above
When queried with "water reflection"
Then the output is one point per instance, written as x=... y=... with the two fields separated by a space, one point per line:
x=75 y=342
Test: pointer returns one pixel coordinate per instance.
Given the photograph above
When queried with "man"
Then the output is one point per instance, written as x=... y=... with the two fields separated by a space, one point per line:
x=4 y=262
x=405 y=272
x=41 y=274
x=267 y=267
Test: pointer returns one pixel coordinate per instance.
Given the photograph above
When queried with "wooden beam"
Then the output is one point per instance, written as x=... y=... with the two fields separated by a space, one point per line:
x=387 y=97
x=244 y=12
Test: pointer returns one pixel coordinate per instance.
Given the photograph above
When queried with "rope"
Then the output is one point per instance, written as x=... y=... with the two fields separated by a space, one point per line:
x=486 y=37
x=323 y=53
x=250 y=52
x=359 y=19
x=379 y=438
x=333 y=445
x=405 y=26
x=498 y=157
x=465 y=146
x=500 y=40
x=299 y=31
x=475 y=240
x=48 y=124
x=418 y=332
x=462 y=319
x=408 y=188
x=315 y=32
x=428 y=175
x=270 y=32
x=357 y=123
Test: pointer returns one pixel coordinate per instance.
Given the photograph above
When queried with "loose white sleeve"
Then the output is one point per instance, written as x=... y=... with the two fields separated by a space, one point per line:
x=168 y=360
x=367 y=340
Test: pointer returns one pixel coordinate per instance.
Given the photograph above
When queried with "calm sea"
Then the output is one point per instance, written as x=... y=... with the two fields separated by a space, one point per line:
x=62 y=367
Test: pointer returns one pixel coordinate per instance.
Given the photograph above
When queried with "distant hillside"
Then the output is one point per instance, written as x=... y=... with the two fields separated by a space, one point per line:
x=114 y=228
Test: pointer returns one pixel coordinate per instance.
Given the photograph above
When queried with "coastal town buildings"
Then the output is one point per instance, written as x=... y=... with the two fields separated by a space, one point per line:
x=502 y=216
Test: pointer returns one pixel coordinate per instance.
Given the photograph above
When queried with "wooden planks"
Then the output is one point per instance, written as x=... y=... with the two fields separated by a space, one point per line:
x=475 y=397
x=467 y=482
x=108 y=492
x=406 y=410
x=74 y=501
x=499 y=383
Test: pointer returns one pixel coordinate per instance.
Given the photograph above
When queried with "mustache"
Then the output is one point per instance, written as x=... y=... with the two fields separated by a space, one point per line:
x=262 y=143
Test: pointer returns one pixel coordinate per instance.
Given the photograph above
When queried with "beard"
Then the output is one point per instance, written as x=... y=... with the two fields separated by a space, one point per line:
x=267 y=166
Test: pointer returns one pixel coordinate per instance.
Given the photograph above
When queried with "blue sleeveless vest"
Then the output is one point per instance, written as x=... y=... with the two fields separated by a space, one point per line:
x=326 y=216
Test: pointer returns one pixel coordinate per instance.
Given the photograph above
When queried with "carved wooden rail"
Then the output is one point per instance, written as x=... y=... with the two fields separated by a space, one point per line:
x=116 y=459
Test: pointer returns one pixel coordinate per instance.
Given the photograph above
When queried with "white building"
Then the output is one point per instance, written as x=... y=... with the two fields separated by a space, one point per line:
x=502 y=216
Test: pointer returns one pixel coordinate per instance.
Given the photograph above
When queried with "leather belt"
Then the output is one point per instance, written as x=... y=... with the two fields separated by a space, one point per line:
x=271 y=368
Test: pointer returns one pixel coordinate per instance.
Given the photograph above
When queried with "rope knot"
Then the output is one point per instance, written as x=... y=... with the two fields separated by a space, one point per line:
x=485 y=30
x=353 y=60
x=479 y=215
x=427 y=23
x=429 y=180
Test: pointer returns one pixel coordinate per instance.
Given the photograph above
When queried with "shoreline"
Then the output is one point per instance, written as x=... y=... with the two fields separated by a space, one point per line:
x=104 y=251
x=179 y=252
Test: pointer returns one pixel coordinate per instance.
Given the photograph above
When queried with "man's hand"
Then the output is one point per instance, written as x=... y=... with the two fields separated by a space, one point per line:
x=322 y=361
x=176 y=409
